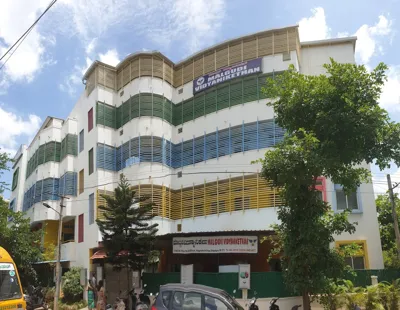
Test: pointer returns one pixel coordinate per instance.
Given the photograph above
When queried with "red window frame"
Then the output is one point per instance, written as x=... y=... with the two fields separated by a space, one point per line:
x=90 y=120
x=80 y=228
x=322 y=187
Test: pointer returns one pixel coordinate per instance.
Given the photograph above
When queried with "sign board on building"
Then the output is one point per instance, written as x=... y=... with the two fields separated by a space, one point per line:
x=187 y=274
x=227 y=73
x=215 y=245
x=244 y=277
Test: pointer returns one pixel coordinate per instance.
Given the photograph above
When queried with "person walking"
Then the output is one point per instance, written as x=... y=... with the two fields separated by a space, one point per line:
x=91 y=296
x=94 y=284
x=101 y=296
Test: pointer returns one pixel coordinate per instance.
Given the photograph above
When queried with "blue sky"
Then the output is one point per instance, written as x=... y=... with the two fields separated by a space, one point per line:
x=43 y=77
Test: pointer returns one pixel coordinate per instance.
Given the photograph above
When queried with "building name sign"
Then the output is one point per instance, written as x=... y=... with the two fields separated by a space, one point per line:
x=215 y=245
x=227 y=73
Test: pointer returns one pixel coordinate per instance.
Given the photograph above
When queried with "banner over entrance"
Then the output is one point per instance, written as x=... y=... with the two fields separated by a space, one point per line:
x=215 y=245
x=227 y=73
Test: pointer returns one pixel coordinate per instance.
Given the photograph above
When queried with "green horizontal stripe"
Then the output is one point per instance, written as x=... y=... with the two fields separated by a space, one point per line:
x=234 y=92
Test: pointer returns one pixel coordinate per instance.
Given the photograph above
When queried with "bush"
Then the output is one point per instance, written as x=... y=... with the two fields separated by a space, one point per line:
x=49 y=294
x=72 y=288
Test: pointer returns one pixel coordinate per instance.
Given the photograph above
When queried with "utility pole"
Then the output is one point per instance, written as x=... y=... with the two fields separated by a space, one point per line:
x=394 y=214
x=59 y=241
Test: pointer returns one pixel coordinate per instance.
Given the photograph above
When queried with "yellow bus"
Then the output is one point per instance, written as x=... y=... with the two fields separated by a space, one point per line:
x=11 y=295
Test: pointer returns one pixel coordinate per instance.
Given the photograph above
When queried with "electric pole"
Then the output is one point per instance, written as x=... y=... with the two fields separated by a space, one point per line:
x=394 y=214
x=59 y=242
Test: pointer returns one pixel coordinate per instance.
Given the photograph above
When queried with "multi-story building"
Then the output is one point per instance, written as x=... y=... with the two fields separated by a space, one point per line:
x=184 y=134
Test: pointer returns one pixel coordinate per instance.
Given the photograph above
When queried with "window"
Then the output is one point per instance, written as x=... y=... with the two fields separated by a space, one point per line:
x=15 y=179
x=91 y=163
x=344 y=201
x=320 y=186
x=90 y=120
x=212 y=303
x=80 y=228
x=166 y=298
x=91 y=209
x=81 y=181
x=81 y=141
x=186 y=301
x=11 y=208
x=360 y=260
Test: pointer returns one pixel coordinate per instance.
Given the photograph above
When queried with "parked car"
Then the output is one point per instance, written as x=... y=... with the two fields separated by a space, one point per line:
x=193 y=297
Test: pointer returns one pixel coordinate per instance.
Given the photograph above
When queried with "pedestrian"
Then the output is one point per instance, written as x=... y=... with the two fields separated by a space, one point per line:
x=91 y=296
x=94 y=280
x=94 y=284
x=101 y=296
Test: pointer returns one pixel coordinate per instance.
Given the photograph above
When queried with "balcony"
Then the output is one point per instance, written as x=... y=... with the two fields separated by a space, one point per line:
x=68 y=251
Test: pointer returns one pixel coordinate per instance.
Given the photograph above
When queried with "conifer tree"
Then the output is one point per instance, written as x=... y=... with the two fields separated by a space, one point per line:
x=127 y=228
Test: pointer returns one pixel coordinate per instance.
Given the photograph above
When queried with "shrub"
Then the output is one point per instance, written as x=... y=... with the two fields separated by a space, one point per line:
x=72 y=288
x=49 y=294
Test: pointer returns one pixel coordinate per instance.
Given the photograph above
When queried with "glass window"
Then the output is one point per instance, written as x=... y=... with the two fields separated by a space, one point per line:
x=90 y=120
x=91 y=162
x=166 y=298
x=81 y=181
x=212 y=303
x=81 y=141
x=91 y=209
x=344 y=201
x=186 y=301
x=9 y=286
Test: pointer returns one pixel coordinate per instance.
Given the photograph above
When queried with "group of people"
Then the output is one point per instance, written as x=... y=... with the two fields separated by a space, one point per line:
x=96 y=294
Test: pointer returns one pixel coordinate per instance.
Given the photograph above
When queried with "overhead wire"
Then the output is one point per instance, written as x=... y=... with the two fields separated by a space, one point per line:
x=21 y=39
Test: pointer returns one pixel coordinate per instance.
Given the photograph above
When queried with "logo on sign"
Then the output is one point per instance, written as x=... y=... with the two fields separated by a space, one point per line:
x=200 y=81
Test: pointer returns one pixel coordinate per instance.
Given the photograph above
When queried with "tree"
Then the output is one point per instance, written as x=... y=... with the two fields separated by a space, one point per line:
x=20 y=242
x=72 y=288
x=128 y=235
x=334 y=124
x=4 y=159
x=388 y=238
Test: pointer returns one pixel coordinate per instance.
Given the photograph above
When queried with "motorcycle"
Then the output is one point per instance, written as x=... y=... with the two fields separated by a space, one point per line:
x=35 y=298
x=273 y=305
x=253 y=305
x=143 y=301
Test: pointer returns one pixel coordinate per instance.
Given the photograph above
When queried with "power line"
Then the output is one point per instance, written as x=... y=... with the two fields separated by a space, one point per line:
x=24 y=35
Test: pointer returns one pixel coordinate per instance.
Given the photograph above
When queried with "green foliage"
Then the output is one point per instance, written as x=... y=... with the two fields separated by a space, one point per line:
x=352 y=295
x=332 y=298
x=126 y=227
x=22 y=244
x=49 y=294
x=4 y=159
x=388 y=239
x=72 y=286
x=389 y=294
x=373 y=299
x=334 y=125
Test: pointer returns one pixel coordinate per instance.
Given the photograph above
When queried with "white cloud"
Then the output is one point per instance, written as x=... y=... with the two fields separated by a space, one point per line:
x=194 y=23
x=314 y=27
x=12 y=127
x=91 y=46
x=390 y=97
x=110 y=57
x=30 y=57
x=368 y=39
x=71 y=82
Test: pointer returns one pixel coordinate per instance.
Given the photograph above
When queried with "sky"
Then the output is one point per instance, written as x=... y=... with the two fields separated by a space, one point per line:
x=44 y=76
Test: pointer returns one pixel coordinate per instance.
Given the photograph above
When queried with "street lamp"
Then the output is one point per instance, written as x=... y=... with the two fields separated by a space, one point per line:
x=58 y=264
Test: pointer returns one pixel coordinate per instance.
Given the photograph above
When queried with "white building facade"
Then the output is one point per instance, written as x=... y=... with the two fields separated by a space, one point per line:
x=185 y=138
